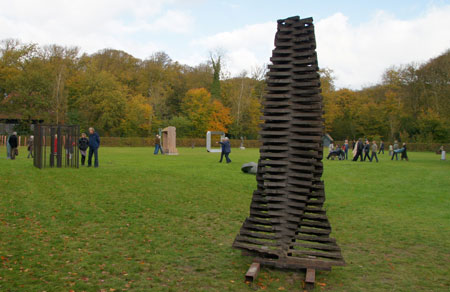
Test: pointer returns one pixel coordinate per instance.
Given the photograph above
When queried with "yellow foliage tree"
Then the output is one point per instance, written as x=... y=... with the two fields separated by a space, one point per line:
x=205 y=113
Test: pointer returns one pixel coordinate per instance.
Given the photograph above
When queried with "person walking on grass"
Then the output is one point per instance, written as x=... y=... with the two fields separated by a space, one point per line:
x=358 y=150
x=13 y=142
x=381 y=147
x=374 y=151
x=83 y=144
x=158 y=145
x=391 y=150
x=366 y=150
x=404 y=152
x=94 y=144
x=30 y=146
x=226 y=149
x=395 y=152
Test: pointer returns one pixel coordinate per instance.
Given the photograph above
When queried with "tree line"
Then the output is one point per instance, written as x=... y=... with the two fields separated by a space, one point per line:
x=125 y=96
x=412 y=103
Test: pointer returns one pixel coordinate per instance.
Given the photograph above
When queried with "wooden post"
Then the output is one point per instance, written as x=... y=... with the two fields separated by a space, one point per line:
x=252 y=272
x=310 y=279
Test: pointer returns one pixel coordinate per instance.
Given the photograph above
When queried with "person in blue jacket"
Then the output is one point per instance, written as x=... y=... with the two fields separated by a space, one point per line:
x=94 y=144
x=226 y=149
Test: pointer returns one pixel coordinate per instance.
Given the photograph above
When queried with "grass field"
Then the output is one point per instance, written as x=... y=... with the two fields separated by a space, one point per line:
x=166 y=223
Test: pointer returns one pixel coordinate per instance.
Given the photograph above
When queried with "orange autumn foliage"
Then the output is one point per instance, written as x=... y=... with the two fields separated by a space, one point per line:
x=220 y=117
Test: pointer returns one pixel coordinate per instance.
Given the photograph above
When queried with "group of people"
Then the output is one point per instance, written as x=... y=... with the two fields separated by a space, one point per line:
x=395 y=150
x=12 y=146
x=92 y=143
x=84 y=143
x=366 y=150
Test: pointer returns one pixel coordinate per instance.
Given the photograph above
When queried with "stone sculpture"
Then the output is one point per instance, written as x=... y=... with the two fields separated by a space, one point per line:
x=169 y=141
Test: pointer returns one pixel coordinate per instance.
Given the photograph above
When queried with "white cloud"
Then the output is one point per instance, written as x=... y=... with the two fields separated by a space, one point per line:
x=93 y=25
x=175 y=21
x=357 y=54
x=360 y=54
x=244 y=48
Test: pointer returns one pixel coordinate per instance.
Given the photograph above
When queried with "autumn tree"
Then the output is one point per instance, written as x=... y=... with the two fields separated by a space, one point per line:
x=196 y=107
x=138 y=117
x=101 y=101
x=220 y=117
x=125 y=96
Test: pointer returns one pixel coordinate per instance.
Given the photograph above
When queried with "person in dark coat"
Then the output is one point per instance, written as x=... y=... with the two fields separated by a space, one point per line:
x=83 y=144
x=367 y=150
x=226 y=149
x=94 y=144
x=404 y=152
x=13 y=142
x=381 y=147
x=359 y=150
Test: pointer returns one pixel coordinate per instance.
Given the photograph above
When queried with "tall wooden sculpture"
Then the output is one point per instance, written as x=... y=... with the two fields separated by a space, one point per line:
x=287 y=226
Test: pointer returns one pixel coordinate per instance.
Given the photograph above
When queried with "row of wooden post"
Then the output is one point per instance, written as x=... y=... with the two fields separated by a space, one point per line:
x=4 y=138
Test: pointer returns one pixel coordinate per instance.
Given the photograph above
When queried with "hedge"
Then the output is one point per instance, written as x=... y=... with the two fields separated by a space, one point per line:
x=181 y=142
x=235 y=143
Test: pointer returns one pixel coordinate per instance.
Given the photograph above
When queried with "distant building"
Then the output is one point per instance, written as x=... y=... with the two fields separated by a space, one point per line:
x=326 y=140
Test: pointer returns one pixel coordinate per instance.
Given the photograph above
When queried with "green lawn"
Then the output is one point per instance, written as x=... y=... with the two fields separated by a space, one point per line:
x=166 y=223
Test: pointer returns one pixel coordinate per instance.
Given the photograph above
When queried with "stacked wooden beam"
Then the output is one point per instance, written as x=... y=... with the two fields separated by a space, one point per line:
x=287 y=226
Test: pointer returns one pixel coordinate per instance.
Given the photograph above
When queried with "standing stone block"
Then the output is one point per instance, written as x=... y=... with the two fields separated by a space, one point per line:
x=169 y=141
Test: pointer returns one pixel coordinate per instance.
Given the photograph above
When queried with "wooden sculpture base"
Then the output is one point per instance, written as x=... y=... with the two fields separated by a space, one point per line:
x=253 y=271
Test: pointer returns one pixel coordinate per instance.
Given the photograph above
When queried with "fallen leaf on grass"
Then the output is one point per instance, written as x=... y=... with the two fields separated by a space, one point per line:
x=321 y=284
x=281 y=288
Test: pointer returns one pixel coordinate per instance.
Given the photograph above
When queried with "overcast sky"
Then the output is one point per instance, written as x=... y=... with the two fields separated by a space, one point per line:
x=356 y=39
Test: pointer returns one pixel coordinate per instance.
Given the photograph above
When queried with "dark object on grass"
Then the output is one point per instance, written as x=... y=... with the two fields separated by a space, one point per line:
x=56 y=146
x=250 y=167
x=339 y=153
x=287 y=226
